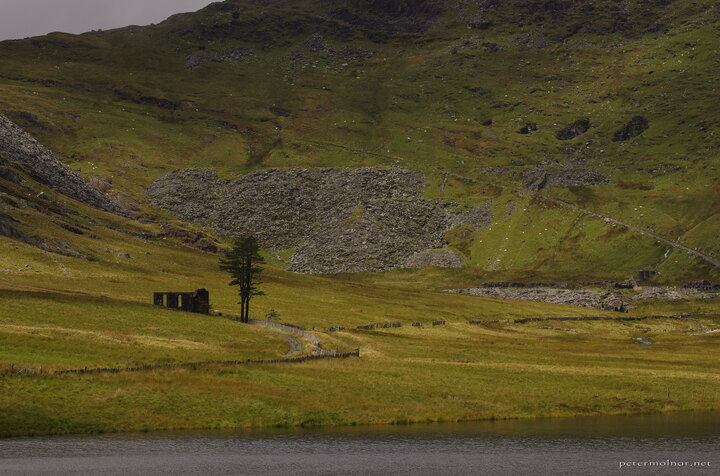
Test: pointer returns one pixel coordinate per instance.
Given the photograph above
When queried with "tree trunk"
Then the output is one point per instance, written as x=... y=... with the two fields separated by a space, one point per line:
x=248 y=285
x=242 y=308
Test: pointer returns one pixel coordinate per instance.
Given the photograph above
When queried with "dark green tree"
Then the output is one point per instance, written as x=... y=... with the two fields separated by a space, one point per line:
x=242 y=263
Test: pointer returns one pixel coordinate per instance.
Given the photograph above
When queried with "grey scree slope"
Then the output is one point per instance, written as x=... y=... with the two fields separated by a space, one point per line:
x=22 y=150
x=337 y=219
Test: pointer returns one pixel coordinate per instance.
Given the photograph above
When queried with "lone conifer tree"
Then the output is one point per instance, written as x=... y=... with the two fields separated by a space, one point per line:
x=242 y=263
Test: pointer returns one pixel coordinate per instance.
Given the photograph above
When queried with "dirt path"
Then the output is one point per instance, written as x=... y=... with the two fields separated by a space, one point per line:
x=295 y=345
x=610 y=219
x=283 y=330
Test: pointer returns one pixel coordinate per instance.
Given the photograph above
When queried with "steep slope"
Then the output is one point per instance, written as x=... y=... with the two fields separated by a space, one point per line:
x=20 y=150
x=45 y=204
x=604 y=105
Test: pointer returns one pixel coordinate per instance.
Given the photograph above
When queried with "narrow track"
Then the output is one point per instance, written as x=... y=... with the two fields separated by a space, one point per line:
x=609 y=219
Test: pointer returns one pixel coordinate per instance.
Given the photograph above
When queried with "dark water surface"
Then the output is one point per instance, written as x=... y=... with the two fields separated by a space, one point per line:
x=666 y=444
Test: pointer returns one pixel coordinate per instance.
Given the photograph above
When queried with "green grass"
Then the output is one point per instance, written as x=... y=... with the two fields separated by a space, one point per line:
x=60 y=331
x=416 y=105
x=101 y=316
x=406 y=375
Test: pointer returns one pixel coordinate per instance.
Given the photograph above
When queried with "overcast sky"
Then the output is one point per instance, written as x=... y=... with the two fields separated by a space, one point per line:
x=23 y=18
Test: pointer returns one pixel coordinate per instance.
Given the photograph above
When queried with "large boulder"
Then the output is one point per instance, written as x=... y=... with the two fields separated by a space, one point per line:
x=634 y=128
x=576 y=129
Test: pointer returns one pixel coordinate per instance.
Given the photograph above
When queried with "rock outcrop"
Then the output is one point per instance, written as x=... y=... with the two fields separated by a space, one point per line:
x=557 y=293
x=604 y=300
x=540 y=178
x=672 y=294
x=189 y=194
x=315 y=51
x=438 y=258
x=477 y=217
x=704 y=285
x=634 y=128
x=338 y=220
x=283 y=207
x=21 y=150
x=528 y=128
x=376 y=236
x=391 y=16
x=230 y=55
x=576 y=129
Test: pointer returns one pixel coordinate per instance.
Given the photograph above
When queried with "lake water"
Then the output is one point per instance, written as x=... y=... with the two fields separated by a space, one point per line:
x=578 y=446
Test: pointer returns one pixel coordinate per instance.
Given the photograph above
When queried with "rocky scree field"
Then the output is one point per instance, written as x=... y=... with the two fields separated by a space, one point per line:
x=336 y=220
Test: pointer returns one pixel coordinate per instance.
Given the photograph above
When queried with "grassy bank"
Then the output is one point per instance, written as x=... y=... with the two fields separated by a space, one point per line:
x=406 y=375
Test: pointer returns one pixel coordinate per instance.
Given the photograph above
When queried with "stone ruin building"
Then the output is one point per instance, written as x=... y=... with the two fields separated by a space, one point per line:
x=198 y=301
x=644 y=275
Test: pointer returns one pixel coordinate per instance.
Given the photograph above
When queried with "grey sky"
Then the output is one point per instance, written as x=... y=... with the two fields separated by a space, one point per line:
x=23 y=18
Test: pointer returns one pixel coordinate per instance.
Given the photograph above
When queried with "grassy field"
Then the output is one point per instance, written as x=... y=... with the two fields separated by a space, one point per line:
x=455 y=372
x=122 y=109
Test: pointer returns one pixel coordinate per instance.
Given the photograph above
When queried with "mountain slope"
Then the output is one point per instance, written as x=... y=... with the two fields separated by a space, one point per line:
x=534 y=95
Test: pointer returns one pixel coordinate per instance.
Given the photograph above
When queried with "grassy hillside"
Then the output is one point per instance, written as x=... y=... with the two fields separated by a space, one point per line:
x=324 y=87
x=60 y=312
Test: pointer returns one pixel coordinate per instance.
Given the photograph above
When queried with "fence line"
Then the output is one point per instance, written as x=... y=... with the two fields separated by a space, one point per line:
x=383 y=325
x=292 y=360
x=388 y=325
